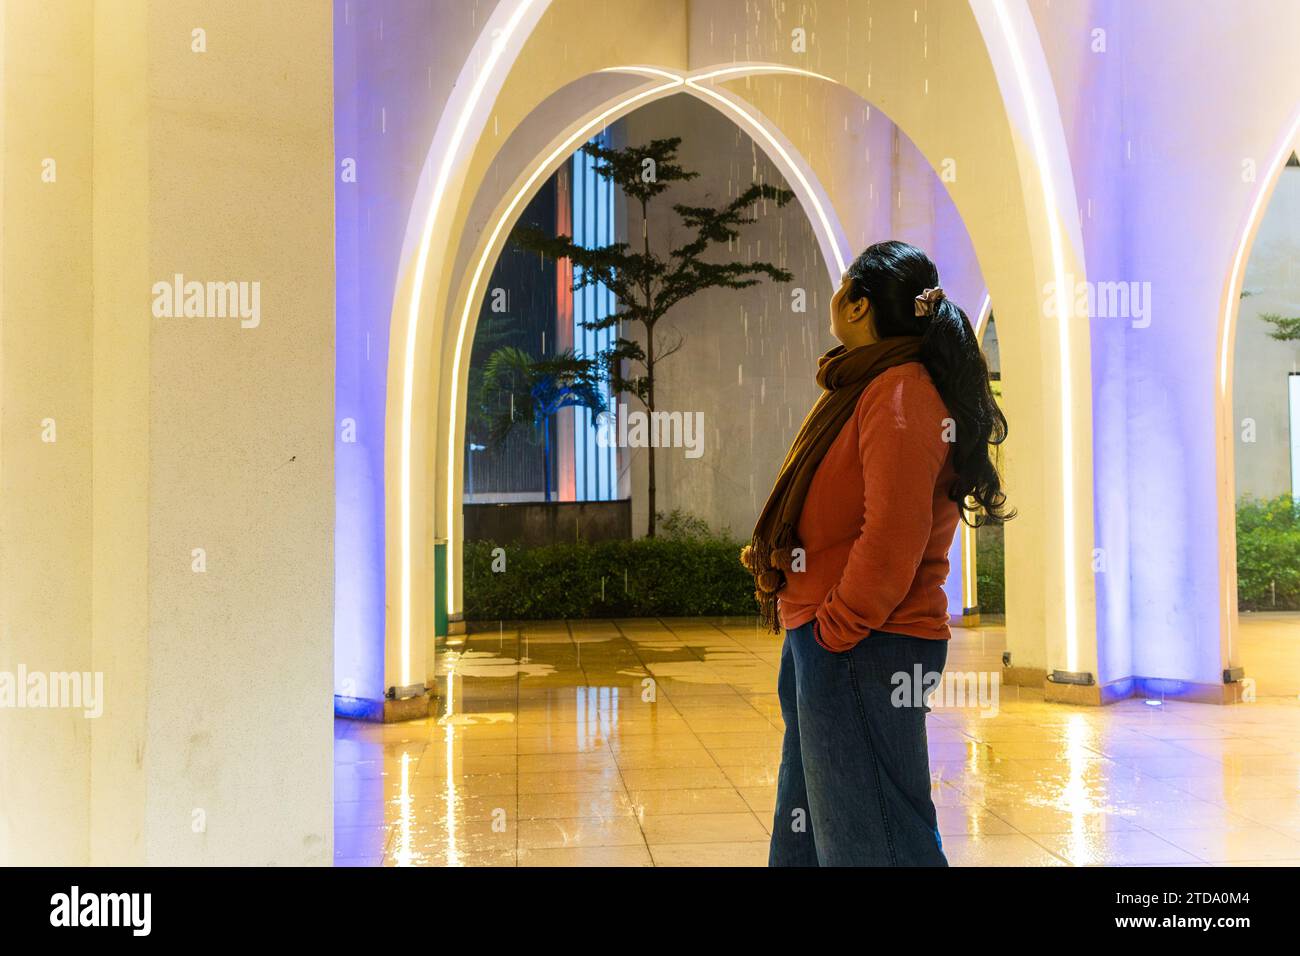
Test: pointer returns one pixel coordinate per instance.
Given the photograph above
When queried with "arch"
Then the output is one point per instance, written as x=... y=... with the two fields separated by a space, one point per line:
x=467 y=302
x=804 y=184
x=964 y=556
x=1230 y=307
x=1024 y=164
x=498 y=46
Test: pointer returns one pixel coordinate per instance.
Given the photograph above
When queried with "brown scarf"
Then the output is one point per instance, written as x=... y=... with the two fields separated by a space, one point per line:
x=842 y=374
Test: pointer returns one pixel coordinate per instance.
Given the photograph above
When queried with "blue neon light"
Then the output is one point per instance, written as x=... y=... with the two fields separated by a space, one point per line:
x=593 y=226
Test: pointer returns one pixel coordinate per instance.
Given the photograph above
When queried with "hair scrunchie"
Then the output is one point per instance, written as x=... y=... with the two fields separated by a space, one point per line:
x=927 y=300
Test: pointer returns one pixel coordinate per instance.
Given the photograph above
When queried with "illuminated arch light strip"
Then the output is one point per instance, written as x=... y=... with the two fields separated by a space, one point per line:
x=1064 y=311
x=982 y=318
x=1239 y=260
x=1230 y=311
x=475 y=94
x=672 y=81
x=833 y=238
x=969 y=577
x=567 y=146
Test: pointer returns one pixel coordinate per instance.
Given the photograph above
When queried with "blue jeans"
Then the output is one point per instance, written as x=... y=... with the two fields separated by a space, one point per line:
x=854 y=786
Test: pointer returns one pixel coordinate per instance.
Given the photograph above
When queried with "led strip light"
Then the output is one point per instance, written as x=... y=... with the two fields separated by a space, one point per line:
x=498 y=47
x=969 y=578
x=565 y=148
x=1230 y=311
x=1064 y=311
x=1239 y=260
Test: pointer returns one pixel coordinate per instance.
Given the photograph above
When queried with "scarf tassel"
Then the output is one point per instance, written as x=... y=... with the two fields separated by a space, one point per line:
x=769 y=562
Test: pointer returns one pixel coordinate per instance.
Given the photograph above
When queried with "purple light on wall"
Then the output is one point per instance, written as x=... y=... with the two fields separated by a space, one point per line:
x=1153 y=414
x=361 y=361
x=395 y=64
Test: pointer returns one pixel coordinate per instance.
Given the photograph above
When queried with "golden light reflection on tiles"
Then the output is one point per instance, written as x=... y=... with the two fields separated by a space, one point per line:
x=405 y=849
x=449 y=802
x=657 y=743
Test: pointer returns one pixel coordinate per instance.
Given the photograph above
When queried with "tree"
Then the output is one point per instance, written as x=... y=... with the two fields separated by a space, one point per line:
x=494 y=332
x=645 y=283
x=1285 y=329
x=537 y=389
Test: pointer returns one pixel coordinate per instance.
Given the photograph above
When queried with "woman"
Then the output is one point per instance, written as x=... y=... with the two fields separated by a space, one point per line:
x=850 y=554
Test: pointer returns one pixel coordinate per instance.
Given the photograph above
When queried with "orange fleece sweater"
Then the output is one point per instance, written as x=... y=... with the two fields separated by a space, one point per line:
x=877 y=523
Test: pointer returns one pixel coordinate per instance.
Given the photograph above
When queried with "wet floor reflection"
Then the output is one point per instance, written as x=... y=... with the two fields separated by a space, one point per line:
x=657 y=743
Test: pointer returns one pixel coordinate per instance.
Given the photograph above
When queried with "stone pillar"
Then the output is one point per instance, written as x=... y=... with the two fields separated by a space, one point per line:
x=45 y=426
x=177 y=537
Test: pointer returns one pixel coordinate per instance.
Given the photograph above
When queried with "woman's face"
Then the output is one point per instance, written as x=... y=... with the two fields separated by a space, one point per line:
x=851 y=320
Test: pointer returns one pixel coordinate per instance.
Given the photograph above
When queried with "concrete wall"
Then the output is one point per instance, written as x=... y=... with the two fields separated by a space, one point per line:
x=175 y=434
x=538 y=523
x=241 y=436
x=1262 y=364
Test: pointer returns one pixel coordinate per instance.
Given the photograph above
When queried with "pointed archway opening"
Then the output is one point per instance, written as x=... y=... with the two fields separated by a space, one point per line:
x=1266 y=460
x=743 y=355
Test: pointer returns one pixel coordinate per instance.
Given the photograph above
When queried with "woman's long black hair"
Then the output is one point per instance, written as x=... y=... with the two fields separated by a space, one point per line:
x=891 y=275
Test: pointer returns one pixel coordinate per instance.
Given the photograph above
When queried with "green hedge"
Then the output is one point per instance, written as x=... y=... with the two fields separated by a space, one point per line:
x=665 y=577
x=989 y=574
x=1268 y=558
x=650 y=577
x=1268 y=554
x=695 y=573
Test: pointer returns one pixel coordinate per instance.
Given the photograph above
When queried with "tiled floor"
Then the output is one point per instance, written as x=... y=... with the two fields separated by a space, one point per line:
x=643 y=742
x=1268 y=647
